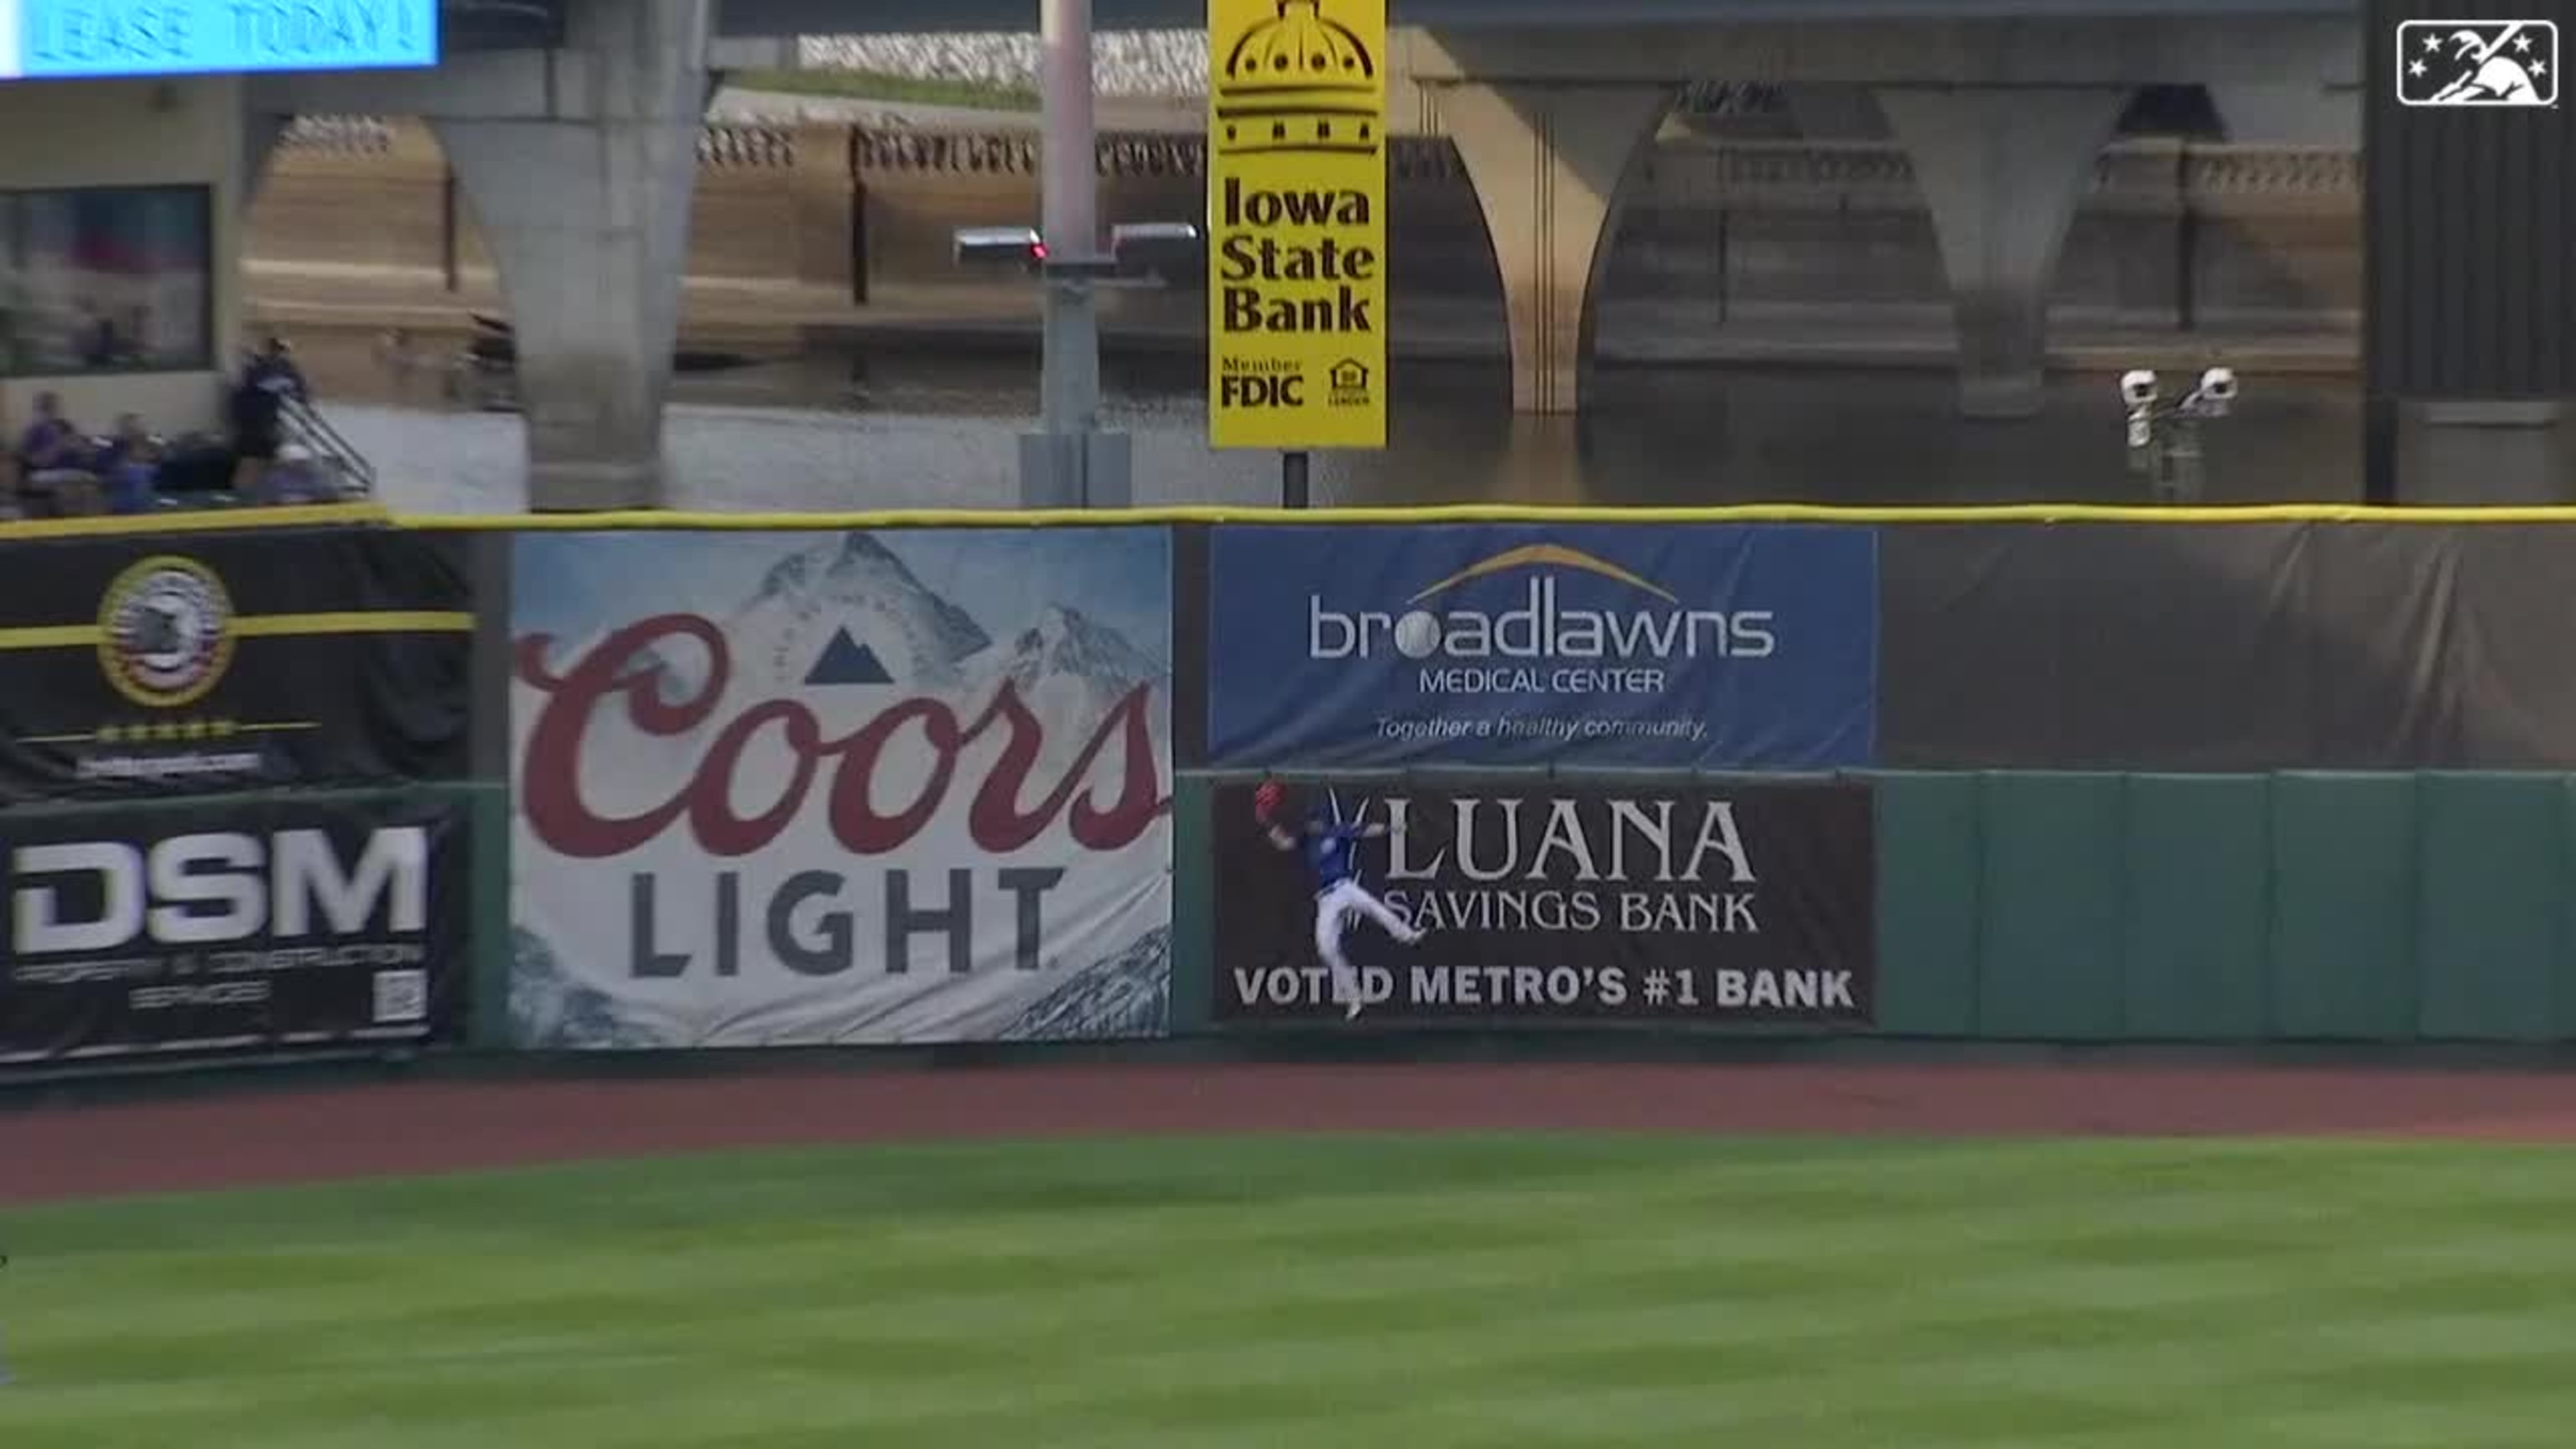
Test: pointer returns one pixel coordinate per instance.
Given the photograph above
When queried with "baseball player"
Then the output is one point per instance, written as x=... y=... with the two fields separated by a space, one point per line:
x=1332 y=858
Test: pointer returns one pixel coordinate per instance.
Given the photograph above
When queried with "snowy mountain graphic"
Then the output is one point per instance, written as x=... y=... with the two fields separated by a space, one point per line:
x=847 y=661
x=1128 y=994
x=856 y=586
x=849 y=611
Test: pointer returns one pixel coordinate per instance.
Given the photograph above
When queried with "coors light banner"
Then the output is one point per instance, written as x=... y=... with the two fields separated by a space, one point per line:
x=1517 y=902
x=794 y=788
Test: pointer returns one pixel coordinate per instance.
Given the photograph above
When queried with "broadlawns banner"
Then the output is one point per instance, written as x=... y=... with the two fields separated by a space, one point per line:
x=795 y=788
x=1702 y=646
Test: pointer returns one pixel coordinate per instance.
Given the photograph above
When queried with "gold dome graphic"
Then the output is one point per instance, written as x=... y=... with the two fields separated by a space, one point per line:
x=1299 y=82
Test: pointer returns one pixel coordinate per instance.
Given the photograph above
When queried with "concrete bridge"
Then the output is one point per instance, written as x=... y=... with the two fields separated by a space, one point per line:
x=578 y=161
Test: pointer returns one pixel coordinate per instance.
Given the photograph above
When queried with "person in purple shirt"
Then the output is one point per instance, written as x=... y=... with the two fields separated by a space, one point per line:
x=129 y=466
x=53 y=460
x=51 y=443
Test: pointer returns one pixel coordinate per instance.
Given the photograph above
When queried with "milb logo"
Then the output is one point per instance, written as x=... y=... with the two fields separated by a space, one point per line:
x=2447 y=63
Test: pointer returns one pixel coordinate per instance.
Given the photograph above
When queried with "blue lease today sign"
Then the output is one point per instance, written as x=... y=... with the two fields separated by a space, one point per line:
x=96 y=39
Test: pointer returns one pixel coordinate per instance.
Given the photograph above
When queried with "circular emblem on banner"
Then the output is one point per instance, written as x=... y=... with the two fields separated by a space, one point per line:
x=165 y=632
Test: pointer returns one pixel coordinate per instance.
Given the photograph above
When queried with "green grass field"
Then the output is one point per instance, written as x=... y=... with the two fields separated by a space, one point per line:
x=1415 y=1293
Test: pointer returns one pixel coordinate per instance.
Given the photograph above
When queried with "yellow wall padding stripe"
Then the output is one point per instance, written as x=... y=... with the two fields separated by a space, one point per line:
x=221 y=520
x=192 y=520
x=1477 y=513
x=263 y=626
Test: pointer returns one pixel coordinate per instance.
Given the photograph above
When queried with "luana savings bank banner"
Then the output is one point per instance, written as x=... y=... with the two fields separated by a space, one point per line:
x=794 y=788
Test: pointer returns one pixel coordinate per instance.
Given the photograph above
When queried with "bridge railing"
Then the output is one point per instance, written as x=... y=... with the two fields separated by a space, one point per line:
x=1743 y=166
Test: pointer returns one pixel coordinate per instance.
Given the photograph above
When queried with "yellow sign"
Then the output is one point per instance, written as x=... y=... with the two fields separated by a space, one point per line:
x=1297 y=224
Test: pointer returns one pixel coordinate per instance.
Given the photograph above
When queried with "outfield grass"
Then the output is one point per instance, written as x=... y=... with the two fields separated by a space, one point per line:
x=1415 y=1293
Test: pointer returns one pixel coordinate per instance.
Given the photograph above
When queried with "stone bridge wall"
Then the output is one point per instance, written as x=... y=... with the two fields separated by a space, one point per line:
x=2174 y=234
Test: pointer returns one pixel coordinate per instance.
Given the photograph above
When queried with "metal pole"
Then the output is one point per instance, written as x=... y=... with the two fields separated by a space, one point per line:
x=1069 y=463
x=1293 y=489
x=1072 y=387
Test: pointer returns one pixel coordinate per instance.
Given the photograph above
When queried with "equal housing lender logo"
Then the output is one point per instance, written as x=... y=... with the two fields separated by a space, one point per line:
x=2477 y=63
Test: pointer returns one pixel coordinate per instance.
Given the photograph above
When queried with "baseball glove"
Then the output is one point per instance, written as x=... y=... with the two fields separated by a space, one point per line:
x=1265 y=801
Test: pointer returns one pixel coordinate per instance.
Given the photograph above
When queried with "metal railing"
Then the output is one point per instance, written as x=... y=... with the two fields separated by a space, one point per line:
x=332 y=451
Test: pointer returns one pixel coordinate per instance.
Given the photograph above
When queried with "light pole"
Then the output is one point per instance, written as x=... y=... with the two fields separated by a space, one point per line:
x=1070 y=462
x=2164 y=436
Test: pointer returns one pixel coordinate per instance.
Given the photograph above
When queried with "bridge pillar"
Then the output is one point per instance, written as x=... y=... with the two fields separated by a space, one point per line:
x=586 y=213
x=1828 y=112
x=261 y=133
x=2001 y=171
x=1550 y=161
x=2288 y=113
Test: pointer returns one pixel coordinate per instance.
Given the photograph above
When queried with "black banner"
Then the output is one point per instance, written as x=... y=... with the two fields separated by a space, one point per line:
x=1550 y=903
x=152 y=664
x=2225 y=646
x=2469 y=200
x=234 y=925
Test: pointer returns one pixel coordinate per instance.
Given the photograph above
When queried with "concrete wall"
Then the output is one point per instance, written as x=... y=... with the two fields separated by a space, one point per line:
x=2175 y=235
x=134 y=133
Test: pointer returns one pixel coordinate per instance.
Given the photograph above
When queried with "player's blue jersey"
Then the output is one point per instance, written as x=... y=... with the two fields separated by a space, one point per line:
x=1332 y=855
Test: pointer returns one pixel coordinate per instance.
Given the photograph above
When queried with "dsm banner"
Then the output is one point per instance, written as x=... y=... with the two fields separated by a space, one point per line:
x=139 y=663
x=242 y=924
x=1507 y=903
x=1623 y=645
x=796 y=788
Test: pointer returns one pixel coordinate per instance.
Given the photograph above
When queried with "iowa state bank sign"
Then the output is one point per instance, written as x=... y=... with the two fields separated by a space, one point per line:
x=1297 y=222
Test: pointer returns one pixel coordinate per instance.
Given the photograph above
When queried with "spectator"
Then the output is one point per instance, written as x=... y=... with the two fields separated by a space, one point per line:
x=259 y=411
x=53 y=462
x=296 y=477
x=130 y=465
x=51 y=442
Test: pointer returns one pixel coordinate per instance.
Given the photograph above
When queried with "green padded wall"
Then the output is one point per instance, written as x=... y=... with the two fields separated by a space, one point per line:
x=2490 y=929
x=2228 y=908
x=2344 y=885
x=2053 y=890
x=1193 y=903
x=2197 y=858
x=1929 y=864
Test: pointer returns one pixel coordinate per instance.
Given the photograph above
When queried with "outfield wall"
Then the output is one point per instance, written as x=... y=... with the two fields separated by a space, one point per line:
x=343 y=784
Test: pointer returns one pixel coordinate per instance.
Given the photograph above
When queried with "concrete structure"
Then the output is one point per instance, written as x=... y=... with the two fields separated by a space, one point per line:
x=1762 y=249
x=909 y=17
x=577 y=164
x=181 y=132
x=2002 y=120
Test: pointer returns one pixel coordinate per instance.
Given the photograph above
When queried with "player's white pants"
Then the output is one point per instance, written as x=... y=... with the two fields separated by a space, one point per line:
x=1335 y=905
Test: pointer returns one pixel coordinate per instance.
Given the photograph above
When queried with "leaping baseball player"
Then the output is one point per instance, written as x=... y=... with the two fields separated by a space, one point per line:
x=1332 y=859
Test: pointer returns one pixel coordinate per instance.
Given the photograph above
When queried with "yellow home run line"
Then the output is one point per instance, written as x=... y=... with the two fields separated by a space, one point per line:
x=265 y=626
x=1544 y=514
x=210 y=520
